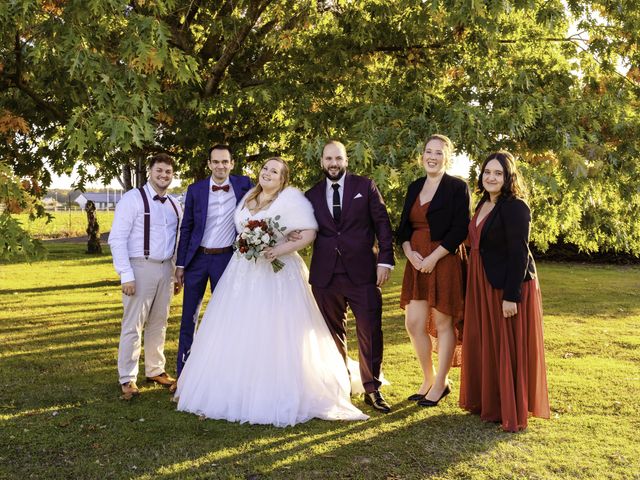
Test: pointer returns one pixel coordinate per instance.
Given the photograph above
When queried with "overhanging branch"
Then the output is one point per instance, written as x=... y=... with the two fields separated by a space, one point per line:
x=16 y=81
x=504 y=41
x=232 y=48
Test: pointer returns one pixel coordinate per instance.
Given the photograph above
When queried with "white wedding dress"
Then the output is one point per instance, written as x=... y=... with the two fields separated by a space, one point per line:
x=263 y=353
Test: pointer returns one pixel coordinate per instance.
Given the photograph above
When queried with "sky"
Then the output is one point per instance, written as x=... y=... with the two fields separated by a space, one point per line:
x=460 y=167
x=65 y=182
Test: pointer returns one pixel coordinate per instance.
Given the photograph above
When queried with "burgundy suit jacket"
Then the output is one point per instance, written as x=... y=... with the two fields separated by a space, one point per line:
x=364 y=219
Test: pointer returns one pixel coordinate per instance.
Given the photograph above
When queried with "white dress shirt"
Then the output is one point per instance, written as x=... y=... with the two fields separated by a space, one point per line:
x=329 y=192
x=127 y=231
x=220 y=230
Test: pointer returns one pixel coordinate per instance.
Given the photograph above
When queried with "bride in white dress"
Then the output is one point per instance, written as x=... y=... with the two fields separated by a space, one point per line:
x=263 y=353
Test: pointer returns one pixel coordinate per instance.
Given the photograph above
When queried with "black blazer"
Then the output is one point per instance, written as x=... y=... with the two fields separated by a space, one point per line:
x=504 y=247
x=448 y=213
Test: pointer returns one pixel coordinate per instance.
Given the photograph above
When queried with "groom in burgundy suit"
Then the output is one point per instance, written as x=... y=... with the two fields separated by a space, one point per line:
x=344 y=269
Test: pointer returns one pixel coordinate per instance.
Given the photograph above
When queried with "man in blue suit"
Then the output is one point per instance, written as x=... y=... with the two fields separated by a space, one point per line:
x=206 y=238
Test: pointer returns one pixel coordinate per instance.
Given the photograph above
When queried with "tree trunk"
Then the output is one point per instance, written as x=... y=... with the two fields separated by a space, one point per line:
x=141 y=171
x=93 y=229
x=126 y=177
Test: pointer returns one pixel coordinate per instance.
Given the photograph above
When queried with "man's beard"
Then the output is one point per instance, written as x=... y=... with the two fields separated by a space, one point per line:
x=334 y=178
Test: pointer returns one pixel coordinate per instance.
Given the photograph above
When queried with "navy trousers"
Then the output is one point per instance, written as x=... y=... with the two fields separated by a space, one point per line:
x=202 y=269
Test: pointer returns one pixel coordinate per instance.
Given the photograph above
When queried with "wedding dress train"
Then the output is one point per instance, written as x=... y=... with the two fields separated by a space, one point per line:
x=263 y=353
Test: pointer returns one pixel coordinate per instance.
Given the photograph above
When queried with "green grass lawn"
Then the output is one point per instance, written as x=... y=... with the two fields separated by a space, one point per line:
x=69 y=223
x=61 y=417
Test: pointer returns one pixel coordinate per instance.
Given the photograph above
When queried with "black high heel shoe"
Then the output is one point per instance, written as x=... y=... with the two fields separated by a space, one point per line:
x=416 y=396
x=425 y=402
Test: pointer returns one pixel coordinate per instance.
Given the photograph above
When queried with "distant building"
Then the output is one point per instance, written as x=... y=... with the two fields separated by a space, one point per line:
x=50 y=202
x=103 y=201
x=108 y=200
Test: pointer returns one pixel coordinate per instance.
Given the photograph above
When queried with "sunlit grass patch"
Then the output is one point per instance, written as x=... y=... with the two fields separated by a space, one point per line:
x=65 y=223
x=61 y=416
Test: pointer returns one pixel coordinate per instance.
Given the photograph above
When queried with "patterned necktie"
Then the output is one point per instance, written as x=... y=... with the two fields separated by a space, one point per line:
x=215 y=188
x=336 y=202
x=162 y=199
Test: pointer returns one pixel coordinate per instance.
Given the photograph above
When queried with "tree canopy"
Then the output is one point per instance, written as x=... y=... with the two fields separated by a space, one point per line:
x=105 y=83
x=14 y=240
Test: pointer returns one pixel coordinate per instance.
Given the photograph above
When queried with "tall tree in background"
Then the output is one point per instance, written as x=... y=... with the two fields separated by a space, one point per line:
x=105 y=83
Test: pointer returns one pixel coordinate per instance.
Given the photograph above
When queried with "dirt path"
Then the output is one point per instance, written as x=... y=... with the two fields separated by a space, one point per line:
x=84 y=239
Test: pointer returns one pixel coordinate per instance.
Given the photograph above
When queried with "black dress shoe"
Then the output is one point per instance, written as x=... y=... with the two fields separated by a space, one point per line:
x=416 y=396
x=425 y=402
x=377 y=401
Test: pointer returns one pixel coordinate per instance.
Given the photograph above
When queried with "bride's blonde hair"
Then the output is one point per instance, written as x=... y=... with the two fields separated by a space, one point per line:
x=257 y=190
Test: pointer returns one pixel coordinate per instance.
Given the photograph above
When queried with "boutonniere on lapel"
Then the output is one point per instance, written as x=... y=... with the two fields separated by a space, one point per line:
x=359 y=195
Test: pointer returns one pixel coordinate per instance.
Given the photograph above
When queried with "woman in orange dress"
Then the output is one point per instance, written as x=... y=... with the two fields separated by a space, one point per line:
x=433 y=225
x=503 y=376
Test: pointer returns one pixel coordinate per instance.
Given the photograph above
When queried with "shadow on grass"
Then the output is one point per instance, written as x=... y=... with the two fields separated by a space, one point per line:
x=57 y=288
x=99 y=435
x=363 y=449
x=65 y=251
x=52 y=341
x=61 y=417
x=78 y=313
x=60 y=399
x=89 y=260
x=36 y=333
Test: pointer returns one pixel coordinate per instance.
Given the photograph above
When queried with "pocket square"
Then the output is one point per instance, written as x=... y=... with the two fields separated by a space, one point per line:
x=359 y=195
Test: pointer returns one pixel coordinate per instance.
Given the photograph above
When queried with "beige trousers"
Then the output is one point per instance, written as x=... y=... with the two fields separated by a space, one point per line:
x=147 y=310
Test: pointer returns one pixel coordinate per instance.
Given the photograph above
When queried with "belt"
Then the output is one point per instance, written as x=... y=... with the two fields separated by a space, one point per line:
x=215 y=251
x=152 y=260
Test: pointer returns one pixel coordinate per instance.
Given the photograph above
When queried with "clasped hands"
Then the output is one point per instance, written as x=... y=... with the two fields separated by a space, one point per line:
x=422 y=264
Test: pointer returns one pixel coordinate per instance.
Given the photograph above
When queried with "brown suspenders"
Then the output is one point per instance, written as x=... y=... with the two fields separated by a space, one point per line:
x=147 y=222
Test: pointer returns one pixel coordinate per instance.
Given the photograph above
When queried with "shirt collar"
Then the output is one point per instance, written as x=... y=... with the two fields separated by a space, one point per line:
x=212 y=183
x=152 y=191
x=339 y=182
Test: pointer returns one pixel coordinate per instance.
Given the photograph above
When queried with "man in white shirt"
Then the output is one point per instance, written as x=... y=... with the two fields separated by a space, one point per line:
x=143 y=248
x=206 y=238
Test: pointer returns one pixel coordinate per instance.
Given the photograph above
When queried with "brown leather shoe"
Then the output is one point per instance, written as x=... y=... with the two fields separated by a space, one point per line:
x=173 y=387
x=163 y=380
x=129 y=390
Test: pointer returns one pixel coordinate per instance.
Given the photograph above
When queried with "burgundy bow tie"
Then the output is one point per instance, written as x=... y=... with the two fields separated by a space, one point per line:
x=215 y=188
x=162 y=199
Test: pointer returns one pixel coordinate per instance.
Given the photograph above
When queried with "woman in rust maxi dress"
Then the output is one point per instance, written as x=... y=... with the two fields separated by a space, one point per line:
x=503 y=376
x=434 y=223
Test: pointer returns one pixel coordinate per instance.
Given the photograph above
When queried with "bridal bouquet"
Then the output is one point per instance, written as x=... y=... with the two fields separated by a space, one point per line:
x=257 y=235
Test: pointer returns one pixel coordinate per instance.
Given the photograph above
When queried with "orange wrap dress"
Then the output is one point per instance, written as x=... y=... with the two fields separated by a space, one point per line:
x=443 y=288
